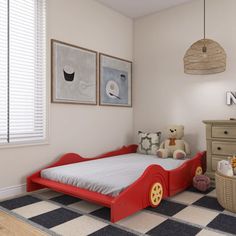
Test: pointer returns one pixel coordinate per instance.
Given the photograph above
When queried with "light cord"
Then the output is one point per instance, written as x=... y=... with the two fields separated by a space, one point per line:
x=204 y=49
x=204 y=19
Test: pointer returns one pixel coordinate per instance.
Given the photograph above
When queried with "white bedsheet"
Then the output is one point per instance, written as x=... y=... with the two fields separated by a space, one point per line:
x=108 y=176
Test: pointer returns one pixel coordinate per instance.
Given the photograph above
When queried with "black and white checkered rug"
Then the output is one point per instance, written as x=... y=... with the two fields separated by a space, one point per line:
x=188 y=213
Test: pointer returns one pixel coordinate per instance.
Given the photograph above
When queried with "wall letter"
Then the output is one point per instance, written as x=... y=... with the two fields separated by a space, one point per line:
x=230 y=98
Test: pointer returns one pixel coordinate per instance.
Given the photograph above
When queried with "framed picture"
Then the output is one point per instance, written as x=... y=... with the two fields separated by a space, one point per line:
x=115 y=77
x=74 y=74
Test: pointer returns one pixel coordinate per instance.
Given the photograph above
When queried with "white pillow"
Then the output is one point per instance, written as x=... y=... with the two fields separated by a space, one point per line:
x=148 y=143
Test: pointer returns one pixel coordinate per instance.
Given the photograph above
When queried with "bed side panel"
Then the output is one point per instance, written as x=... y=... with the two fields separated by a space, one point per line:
x=136 y=196
x=182 y=177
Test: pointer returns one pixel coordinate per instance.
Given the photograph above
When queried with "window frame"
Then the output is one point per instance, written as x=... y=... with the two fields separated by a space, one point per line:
x=46 y=92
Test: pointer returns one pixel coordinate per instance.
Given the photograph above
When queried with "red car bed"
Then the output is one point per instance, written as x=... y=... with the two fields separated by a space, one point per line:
x=149 y=189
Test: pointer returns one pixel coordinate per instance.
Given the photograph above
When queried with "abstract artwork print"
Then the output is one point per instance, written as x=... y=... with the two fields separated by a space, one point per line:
x=74 y=74
x=115 y=81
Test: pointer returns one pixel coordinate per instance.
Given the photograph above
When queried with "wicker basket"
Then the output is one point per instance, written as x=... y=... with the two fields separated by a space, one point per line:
x=226 y=191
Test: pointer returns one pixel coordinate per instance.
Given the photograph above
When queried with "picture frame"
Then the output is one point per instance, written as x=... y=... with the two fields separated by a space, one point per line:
x=115 y=81
x=73 y=74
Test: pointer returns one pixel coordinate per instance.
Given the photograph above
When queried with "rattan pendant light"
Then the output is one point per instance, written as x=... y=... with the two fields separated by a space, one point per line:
x=205 y=56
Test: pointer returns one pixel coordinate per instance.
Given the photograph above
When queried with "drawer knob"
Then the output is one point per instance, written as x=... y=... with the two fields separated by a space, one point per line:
x=218 y=148
x=225 y=132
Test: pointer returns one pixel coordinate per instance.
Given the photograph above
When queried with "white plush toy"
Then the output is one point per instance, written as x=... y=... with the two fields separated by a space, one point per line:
x=174 y=146
x=225 y=168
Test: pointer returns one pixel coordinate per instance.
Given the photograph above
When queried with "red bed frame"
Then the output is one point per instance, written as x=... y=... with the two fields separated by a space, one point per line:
x=138 y=195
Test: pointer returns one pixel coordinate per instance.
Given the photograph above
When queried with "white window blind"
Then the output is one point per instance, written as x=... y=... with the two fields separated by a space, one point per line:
x=22 y=71
x=3 y=70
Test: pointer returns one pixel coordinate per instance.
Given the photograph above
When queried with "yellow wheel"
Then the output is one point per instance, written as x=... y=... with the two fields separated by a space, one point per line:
x=156 y=193
x=198 y=171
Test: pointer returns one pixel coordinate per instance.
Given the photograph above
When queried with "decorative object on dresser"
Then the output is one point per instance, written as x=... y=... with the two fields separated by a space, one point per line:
x=115 y=81
x=74 y=74
x=221 y=143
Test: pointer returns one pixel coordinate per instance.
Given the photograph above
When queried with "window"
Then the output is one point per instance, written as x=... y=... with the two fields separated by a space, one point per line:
x=22 y=71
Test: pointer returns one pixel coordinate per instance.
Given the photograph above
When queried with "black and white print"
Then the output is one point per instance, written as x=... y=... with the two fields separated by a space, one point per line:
x=74 y=73
x=115 y=81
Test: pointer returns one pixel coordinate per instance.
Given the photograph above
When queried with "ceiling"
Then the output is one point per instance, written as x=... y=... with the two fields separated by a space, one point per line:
x=139 y=8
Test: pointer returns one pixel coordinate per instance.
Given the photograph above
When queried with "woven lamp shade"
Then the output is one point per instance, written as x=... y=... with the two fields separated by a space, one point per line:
x=197 y=62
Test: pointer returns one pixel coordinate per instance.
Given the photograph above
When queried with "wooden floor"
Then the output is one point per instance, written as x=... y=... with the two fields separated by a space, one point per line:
x=11 y=226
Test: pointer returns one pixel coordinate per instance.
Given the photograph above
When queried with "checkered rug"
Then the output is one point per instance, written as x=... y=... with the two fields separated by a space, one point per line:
x=188 y=213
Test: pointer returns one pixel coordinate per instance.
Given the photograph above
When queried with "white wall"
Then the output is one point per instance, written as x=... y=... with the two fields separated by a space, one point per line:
x=163 y=94
x=87 y=130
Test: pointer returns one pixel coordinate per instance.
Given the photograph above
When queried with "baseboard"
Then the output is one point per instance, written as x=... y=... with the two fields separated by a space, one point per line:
x=12 y=191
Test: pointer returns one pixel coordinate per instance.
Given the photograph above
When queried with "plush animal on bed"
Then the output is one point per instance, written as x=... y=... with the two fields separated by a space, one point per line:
x=174 y=146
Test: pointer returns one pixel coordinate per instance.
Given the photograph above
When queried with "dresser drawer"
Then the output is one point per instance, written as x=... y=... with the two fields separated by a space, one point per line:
x=223 y=148
x=224 y=132
x=215 y=159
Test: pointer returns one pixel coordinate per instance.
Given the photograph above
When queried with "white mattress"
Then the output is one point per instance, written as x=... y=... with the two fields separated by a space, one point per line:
x=108 y=176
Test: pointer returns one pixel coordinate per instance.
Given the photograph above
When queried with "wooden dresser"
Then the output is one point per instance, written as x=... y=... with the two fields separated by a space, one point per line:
x=221 y=143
